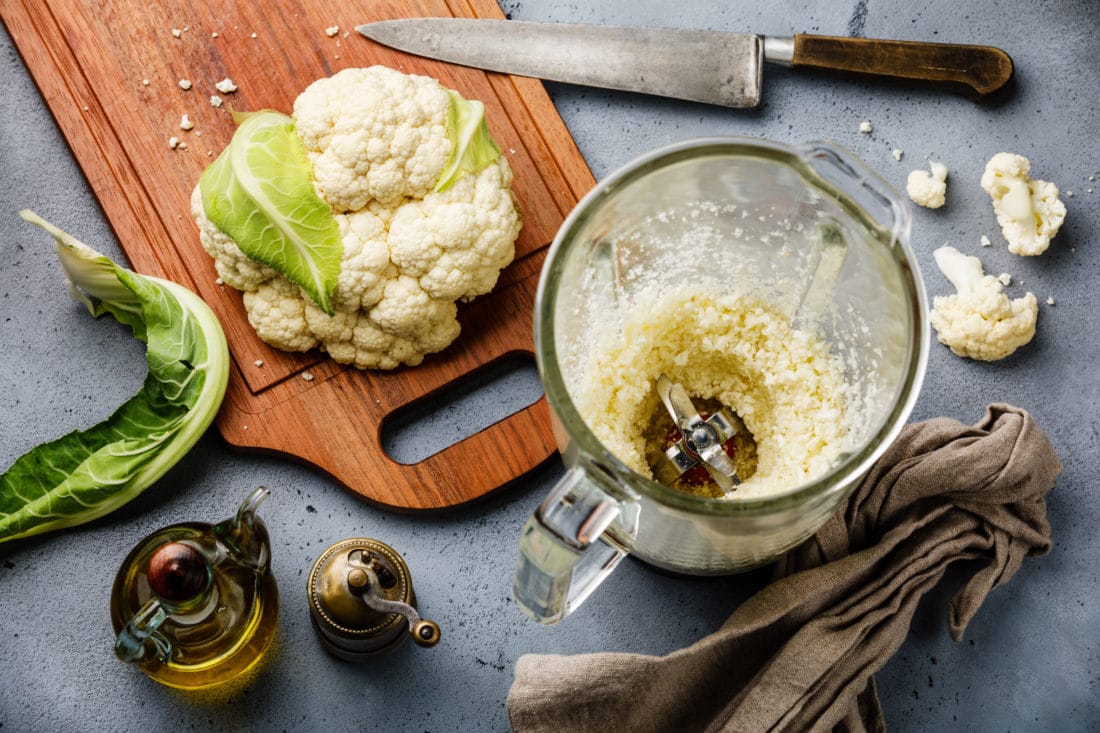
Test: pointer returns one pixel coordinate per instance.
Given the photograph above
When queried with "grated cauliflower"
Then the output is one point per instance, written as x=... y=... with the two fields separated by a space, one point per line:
x=979 y=321
x=380 y=144
x=1028 y=210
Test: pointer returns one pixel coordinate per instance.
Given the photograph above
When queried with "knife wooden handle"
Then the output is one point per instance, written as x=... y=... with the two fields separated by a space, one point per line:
x=981 y=69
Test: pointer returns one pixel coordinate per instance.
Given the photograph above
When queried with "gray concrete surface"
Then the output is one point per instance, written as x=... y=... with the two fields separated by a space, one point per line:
x=1030 y=659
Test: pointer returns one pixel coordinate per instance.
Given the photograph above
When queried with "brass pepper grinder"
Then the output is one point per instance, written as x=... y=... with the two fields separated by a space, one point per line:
x=361 y=601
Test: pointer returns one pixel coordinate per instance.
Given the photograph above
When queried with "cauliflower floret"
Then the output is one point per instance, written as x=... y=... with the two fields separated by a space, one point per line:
x=457 y=241
x=365 y=268
x=235 y=268
x=404 y=326
x=1028 y=210
x=276 y=310
x=980 y=321
x=374 y=133
x=928 y=190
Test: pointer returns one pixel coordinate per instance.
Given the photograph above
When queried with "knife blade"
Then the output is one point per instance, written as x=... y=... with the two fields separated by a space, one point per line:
x=713 y=67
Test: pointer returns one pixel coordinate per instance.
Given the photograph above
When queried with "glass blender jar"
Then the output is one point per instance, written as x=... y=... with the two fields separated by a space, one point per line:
x=808 y=229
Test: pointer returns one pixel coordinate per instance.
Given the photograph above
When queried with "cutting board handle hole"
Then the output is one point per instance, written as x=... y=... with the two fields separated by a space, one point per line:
x=462 y=408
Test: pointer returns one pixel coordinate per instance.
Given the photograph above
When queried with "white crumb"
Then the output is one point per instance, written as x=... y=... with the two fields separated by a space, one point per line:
x=308 y=376
x=226 y=86
x=259 y=362
x=145 y=82
x=173 y=142
x=186 y=123
x=214 y=34
x=1005 y=279
x=215 y=101
x=185 y=84
x=897 y=153
x=176 y=33
x=986 y=242
x=332 y=30
x=1050 y=301
x=865 y=126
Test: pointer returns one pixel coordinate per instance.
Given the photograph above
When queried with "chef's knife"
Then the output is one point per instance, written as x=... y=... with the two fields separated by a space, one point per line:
x=703 y=66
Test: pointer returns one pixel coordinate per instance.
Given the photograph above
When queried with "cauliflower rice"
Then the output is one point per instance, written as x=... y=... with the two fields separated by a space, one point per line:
x=781 y=380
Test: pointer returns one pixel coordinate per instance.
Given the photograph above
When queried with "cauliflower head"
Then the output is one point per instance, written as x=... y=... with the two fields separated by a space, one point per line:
x=379 y=145
x=1028 y=211
x=980 y=321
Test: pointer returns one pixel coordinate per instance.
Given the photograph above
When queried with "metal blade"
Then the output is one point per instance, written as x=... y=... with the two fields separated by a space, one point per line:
x=701 y=66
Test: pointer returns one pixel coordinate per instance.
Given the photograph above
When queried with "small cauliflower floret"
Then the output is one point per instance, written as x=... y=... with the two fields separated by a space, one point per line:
x=235 y=268
x=276 y=310
x=980 y=321
x=456 y=242
x=928 y=189
x=404 y=326
x=374 y=133
x=365 y=268
x=407 y=311
x=1028 y=210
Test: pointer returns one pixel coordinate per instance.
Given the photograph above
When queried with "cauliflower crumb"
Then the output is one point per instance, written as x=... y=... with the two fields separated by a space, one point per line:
x=252 y=36
x=897 y=153
x=985 y=241
x=185 y=123
x=185 y=84
x=307 y=376
x=1005 y=279
x=928 y=190
x=176 y=33
x=173 y=142
x=865 y=127
x=219 y=282
x=258 y=363
x=215 y=101
x=979 y=321
x=226 y=86
x=181 y=146
x=332 y=30
x=1027 y=209
x=214 y=34
x=145 y=82
x=1050 y=301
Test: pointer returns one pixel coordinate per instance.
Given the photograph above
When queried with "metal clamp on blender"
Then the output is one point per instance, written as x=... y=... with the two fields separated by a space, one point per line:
x=701 y=442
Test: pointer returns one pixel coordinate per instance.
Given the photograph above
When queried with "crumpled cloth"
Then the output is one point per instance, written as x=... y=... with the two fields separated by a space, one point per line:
x=799 y=654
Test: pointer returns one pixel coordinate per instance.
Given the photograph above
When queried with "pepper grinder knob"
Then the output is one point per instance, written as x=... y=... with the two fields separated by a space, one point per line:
x=425 y=633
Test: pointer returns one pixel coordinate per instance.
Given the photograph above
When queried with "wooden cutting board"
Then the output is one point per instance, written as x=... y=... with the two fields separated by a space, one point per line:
x=110 y=72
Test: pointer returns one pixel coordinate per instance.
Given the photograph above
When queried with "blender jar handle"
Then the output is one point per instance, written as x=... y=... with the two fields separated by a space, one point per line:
x=864 y=186
x=566 y=548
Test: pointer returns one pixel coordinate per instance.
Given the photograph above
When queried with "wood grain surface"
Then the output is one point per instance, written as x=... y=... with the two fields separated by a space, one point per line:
x=110 y=71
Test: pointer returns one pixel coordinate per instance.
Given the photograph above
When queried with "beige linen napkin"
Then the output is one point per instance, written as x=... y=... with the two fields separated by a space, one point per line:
x=799 y=654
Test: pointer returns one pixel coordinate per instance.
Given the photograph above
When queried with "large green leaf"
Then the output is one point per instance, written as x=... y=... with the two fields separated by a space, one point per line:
x=260 y=192
x=86 y=474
